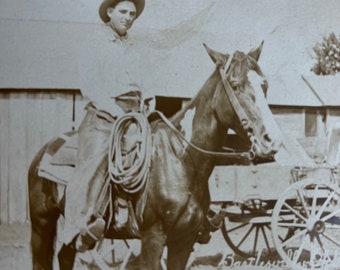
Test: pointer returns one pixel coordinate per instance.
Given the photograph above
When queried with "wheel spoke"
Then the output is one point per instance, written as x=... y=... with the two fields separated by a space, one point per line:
x=319 y=242
x=332 y=226
x=298 y=253
x=246 y=235
x=126 y=243
x=313 y=212
x=330 y=215
x=113 y=255
x=255 y=242
x=300 y=233
x=303 y=202
x=108 y=250
x=237 y=227
x=324 y=205
x=290 y=225
x=294 y=211
x=335 y=242
x=265 y=239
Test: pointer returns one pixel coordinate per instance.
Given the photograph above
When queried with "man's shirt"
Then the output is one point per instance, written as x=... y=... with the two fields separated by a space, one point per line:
x=107 y=68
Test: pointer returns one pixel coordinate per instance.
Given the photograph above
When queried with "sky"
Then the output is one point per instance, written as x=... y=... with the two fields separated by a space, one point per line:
x=289 y=29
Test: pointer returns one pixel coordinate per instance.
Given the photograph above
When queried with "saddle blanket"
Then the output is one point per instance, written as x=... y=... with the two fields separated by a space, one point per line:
x=60 y=156
x=59 y=159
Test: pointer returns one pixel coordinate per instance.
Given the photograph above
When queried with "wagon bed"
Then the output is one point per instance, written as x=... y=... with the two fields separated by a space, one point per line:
x=290 y=210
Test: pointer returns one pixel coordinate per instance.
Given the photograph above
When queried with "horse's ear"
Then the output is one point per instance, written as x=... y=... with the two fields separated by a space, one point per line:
x=256 y=52
x=218 y=58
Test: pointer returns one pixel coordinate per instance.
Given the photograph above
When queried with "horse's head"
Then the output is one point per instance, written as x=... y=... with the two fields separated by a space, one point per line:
x=240 y=105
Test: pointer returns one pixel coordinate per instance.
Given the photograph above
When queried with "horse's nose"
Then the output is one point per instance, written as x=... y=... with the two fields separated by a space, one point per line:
x=266 y=138
x=273 y=144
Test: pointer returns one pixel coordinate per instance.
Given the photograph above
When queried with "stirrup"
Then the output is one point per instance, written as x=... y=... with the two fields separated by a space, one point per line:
x=94 y=230
x=89 y=235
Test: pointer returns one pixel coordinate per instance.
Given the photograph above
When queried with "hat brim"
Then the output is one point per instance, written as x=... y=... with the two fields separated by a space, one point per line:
x=110 y=3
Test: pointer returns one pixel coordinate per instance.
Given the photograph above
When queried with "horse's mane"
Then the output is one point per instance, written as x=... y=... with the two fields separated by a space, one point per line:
x=241 y=64
x=204 y=94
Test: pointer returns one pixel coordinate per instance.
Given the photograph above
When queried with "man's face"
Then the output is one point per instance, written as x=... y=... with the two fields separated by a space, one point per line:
x=122 y=16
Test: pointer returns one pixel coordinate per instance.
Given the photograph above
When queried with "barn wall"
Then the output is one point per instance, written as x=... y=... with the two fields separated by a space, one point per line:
x=290 y=120
x=333 y=117
x=28 y=119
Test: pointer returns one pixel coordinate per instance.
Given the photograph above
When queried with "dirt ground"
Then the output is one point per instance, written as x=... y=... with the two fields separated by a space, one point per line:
x=15 y=252
x=216 y=255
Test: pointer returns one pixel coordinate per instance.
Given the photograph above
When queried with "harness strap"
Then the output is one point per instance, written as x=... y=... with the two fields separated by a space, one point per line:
x=233 y=100
x=224 y=72
x=250 y=155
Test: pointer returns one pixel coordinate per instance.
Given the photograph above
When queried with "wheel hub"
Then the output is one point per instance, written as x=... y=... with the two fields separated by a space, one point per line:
x=319 y=226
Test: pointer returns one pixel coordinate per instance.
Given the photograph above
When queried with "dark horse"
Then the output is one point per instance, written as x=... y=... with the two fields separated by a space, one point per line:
x=177 y=193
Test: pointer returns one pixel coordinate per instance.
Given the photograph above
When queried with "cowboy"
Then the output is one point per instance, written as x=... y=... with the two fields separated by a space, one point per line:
x=100 y=76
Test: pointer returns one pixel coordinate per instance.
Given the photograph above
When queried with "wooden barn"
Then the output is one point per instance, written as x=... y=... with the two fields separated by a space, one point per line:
x=39 y=47
x=31 y=117
x=308 y=110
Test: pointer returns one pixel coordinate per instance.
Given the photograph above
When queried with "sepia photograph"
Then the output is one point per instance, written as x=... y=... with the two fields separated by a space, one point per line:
x=169 y=135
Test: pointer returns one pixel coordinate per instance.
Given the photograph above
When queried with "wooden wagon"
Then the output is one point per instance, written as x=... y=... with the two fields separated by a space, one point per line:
x=294 y=211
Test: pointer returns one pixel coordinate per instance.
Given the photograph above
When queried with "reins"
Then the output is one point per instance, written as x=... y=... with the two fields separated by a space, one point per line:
x=244 y=119
x=250 y=154
x=133 y=179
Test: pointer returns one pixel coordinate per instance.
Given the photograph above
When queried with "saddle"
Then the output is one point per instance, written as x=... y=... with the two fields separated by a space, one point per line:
x=60 y=158
x=121 y=209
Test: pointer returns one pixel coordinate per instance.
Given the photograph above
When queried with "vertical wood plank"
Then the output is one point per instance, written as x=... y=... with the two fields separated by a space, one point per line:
x=64 y=109
x=49 y=114
x=4 y=157
x=34 y=129
x=34 y=140
x=17 y=158
x=80 y=103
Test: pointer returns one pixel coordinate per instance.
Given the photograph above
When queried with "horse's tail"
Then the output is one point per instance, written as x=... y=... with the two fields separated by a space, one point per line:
x=44 y=213
x=34 y=166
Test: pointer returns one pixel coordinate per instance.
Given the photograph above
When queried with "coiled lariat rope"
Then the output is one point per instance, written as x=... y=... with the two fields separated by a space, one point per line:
x=130 y=179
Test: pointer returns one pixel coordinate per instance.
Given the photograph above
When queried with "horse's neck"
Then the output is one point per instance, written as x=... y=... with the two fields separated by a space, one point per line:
x=198 y=122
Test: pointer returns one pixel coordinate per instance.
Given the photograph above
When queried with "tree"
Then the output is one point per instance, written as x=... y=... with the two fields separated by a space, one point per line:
x=328 y=56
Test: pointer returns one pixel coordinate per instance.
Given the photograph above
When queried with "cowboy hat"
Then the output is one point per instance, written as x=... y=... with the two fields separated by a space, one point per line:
x=111 y=3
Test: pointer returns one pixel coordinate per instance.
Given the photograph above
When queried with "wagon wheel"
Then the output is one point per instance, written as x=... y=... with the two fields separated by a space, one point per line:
x=248 y=233
x=306 y=225
x=111 y=254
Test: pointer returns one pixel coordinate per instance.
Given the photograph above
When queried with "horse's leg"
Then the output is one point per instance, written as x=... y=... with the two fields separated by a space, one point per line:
x=66 y=257
x=182 y=238
x=44 y=216
x=42 y=244
x=153 y=242
x=179 y=252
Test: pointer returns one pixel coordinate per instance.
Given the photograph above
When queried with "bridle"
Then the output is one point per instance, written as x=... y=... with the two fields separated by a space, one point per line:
x=225 y=71
x=244 y=119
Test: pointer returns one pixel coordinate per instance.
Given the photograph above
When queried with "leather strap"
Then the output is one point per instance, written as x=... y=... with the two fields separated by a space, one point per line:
x=250 y=155
x=244 y=119
x=224 y=72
